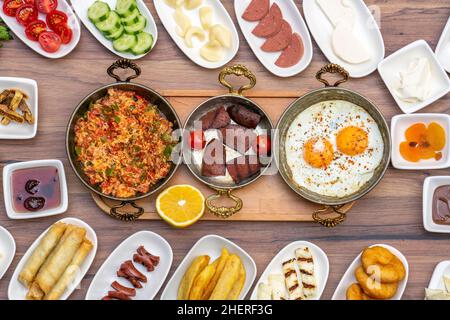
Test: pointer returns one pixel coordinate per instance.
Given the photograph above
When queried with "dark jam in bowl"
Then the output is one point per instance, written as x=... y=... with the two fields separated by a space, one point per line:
x=35 y=189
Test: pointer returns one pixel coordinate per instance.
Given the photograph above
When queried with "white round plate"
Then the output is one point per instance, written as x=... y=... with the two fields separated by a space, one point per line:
x=65 y=49
x=349 y=276
x=17 y=291
x=292 y=15
x=7 y=250
x=81 y=8
x=365 y=28
x=107 y=274
x=321 y=266
x=221 y=16
x=211 y=245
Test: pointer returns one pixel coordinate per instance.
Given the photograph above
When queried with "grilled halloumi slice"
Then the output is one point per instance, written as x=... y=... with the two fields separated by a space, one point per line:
x=291 y=279
x=264 y=292
x=276 y=282
x=447 y=284
x=305 y=263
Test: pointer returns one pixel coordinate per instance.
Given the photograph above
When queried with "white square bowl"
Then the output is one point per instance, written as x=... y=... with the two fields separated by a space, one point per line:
x=7 y=174
x=21 y=130
x=390 y=67
x=429 y=186
x=399 y=125
x=211 y=245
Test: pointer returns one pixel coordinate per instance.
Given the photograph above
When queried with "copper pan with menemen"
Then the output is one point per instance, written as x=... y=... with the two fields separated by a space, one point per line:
x=123 y=142
x=227 y=143
x=332 y=147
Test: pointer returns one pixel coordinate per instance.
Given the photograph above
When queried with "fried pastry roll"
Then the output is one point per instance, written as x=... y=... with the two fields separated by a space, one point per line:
x=71 y=272
x=40 y=254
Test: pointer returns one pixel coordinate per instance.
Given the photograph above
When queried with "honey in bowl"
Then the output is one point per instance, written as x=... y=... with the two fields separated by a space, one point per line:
x=35 y=189
x=423 y=142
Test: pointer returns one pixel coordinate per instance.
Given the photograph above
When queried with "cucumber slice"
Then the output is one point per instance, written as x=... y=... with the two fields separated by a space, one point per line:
x=98 y=11
x=144 y=43
x=137 y=27
x=125 y=7
x=110 y=25
x=116 y=34
x=125 y=42
x=132 y=18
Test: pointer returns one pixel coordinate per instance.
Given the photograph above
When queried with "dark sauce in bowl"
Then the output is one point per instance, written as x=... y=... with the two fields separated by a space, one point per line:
x=35 y=189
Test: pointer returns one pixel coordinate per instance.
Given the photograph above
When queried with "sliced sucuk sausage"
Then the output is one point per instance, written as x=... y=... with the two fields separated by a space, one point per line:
x=208 y=119
x=279 y=41
x=238 y=138
x=222 y=119
x=242 y=168
x=215 y=119
x=271 y=24
x=292 y=54
x=246 y=118
x=256 y=10
x=213 y=164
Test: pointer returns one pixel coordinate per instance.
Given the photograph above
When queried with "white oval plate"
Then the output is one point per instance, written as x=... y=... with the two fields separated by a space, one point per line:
x=441 y=270
x=7 y=250
x=321 y=266
x=65 y=49
x=292 y=15
x=221 y=16
x=349 y=276
x=107 y=274
x=17 y=291
x=365 y=28
x=81 y=8
x=443 y=48
x=211 y=245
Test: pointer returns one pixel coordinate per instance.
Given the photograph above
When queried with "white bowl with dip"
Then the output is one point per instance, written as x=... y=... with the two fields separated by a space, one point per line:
x=11 y=211
x=400 y=61
x=430 y=185
x=399 y=125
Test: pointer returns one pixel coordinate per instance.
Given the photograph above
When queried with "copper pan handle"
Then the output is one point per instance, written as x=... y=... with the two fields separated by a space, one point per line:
x=223 y=212
x=332 y=68
x=332 y=216
x=124 y=64
x=237 y=70
x=126 y=216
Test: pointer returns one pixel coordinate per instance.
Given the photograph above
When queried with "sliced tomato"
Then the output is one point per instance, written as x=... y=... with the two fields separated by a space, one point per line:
x=49 y=41
x=34 y=29
x=64 y=31
x=10 y=7
x=46 y=6
x=29 y=1
x=264 y=145
x=26 y=14
x=197 y=140
x=55 y=17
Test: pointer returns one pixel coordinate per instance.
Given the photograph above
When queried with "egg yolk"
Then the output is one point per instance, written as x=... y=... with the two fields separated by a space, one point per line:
x=423 y=142
x=318 y=152
x=352 y=141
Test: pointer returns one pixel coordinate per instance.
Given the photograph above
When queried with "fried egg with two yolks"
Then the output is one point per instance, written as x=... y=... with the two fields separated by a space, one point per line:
x=333 y=148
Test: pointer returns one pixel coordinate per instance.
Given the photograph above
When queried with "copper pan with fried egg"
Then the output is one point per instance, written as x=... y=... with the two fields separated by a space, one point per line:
x=332 y=213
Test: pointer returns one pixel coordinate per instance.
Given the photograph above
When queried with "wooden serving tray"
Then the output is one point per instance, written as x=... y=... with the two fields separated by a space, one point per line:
x=267 y=199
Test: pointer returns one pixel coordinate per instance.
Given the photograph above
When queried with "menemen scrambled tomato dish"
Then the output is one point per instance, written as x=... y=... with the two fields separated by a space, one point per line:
x=124 y=144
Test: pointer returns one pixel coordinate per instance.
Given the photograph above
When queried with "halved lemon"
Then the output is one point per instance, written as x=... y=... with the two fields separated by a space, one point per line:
x=181 y=205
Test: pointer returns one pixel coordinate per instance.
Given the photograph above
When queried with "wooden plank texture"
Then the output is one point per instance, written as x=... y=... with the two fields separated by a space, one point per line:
x=391 y=214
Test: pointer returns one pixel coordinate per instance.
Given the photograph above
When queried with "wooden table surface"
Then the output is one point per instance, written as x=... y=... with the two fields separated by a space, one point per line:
x=391 y=214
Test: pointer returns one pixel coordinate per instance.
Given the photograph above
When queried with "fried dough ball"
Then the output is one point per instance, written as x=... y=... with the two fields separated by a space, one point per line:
x=355 y=292
x=373 y=288
x=383 y=265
